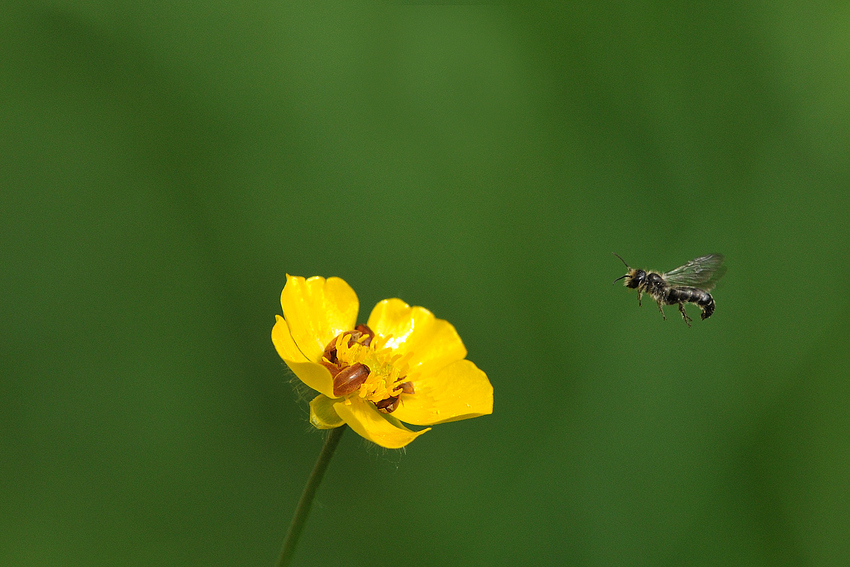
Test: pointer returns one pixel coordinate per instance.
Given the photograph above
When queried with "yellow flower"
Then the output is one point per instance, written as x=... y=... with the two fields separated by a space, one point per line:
x=404 y=365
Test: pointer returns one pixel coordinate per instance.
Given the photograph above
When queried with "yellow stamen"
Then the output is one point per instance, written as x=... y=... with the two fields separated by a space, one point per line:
x=387 y=369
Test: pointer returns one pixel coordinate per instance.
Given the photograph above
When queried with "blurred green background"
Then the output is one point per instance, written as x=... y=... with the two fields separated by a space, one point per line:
x=163 y=166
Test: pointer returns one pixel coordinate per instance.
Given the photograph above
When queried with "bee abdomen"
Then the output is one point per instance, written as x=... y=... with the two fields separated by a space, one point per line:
x=693 y=295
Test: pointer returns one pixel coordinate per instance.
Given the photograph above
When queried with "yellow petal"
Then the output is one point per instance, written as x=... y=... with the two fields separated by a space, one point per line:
x=317 y=310
x=370 y=424
x=312 y=374
x=284 y=343
x=433 y=342
x=458 y=391
x=322 y=413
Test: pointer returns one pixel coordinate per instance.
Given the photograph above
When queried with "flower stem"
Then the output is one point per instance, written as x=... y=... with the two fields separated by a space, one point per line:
x=303 y=509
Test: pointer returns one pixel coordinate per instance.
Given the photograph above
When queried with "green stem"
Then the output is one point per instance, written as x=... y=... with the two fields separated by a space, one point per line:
x=303 y=509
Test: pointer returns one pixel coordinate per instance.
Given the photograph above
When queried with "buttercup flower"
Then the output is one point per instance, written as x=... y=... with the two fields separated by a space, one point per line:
x=403 y=365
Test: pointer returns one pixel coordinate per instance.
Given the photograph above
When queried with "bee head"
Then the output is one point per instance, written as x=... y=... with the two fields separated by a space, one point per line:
x=634 y=278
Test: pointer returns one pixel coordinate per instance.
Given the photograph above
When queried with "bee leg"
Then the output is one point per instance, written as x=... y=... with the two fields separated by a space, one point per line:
x=684 y=315
x=662 y=311
x=640 y=294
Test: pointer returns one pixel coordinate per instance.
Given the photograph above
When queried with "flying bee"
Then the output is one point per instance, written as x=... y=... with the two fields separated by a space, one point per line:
x=686 y=284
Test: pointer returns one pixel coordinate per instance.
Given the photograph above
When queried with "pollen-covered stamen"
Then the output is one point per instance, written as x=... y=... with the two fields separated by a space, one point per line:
x=350 y=378
x=361 y=334
x=361 y=364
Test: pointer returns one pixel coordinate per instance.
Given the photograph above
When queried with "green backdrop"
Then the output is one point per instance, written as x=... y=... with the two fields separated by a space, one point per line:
x=163 y=167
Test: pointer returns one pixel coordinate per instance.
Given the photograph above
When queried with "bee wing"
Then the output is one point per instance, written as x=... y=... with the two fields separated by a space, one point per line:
x=702 y=272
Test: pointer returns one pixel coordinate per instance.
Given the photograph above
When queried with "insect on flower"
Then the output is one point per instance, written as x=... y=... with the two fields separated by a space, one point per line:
x=402 y=366
x=690 y=283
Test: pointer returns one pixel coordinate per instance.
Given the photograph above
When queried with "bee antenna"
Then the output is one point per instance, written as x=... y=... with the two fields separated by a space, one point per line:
x=621 y=259
x=618 y=279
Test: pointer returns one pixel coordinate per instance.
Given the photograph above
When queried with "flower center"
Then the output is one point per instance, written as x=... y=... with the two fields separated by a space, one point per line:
x=362 y=365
